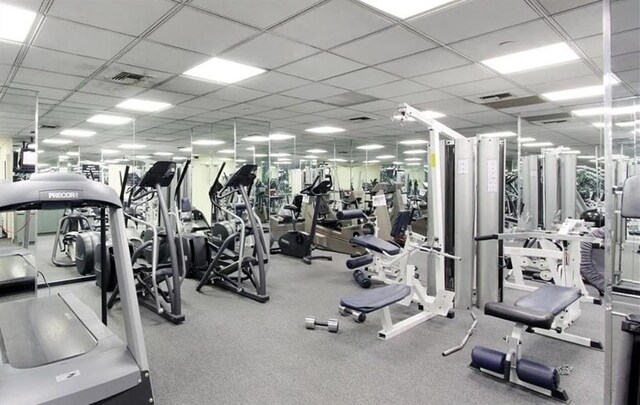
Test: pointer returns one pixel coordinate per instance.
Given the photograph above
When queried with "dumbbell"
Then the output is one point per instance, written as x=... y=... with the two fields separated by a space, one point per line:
x=362 y=279
x=311 y=323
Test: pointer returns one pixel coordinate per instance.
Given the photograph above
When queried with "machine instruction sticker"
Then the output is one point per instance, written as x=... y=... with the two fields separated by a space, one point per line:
x=379 y=201
x=463 y=166
x=492 y=176
x=305 y=198
x=68 y=376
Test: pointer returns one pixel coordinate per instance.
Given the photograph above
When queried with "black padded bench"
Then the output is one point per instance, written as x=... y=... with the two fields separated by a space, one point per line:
x=376 y=299
x=538 y=309
x=376 y=244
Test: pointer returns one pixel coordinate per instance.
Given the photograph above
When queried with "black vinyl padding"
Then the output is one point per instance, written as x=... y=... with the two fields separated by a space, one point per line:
x=355 y=262
x=538 y=374
x=537 y=309
x=376 y=244
x=350 y=214
x=489 y=359
x=377 y=298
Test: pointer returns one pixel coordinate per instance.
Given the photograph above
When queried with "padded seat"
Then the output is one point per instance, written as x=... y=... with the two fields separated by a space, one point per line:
x=377 y=298
x=376 y=244
x=537 y=309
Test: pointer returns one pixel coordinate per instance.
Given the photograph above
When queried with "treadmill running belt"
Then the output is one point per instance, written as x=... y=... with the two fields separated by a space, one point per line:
x=36 y=332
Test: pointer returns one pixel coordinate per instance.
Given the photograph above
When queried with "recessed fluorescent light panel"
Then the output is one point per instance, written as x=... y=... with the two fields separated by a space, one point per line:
x=405 y=9
x=414 y=142
x=132 y=146
x=70 y=153
x=256 y=138
x=109 y=151
x=109 y=119
x=385 y=157
x=186 y=149
x=532 y=59
x=415 y=152
x=280 y=154
x=135 y=104
x=56 y=141
x=207 y=142
x=227 y=151
x=370 y=147
x=223 y=71
x=15 y=23
x=572 y=94
x=337 y=160
x=371 y=161
x=310 y=157
x=316 y=151
x=504 y=134
x=537 y=144
x=413 y=159
x=281 y=137
x=627 y=124
x=325 y=130
x=590 y=112
x=80 y=133
x=163 y=153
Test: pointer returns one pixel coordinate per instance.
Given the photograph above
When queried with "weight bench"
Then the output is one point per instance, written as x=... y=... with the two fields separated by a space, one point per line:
x=389 y=262
x=542 y=309
x=383 y=297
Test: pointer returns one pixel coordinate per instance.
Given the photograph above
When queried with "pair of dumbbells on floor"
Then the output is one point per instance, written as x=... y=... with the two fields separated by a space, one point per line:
x=332 y=325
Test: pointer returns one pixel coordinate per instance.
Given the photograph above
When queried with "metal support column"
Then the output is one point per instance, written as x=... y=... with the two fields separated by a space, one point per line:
x=568 y=198
x=550 y=181
x=464 y=221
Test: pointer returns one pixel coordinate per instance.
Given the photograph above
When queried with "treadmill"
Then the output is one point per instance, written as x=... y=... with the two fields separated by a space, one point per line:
x=54 y=349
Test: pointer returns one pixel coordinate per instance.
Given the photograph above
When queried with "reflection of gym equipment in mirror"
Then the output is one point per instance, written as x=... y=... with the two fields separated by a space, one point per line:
x=70 y=227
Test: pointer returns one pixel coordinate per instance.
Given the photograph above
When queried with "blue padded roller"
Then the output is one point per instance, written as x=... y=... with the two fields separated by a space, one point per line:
x=538 y=374
x=350 y=214
x=355 y=262
x=378 y=298
x=489 y=359
x=376 y=244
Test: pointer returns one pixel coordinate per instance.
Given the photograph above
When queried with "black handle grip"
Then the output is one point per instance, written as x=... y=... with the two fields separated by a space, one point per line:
x=486 y=237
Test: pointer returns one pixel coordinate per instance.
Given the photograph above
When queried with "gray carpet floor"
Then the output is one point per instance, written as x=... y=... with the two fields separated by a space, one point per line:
x=233 y=350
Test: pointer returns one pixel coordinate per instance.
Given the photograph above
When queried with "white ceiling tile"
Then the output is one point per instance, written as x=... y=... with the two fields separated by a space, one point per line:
x=237 y=94
x=187 y=85
x=479 y=16
x=139 y=14
x=309 y=107
x=450 y=77
x=320 y=66
x=4 y=72
x=588 y=80
x=417 y=99
x=361 y=79
x=626 y=62
x=268 y=51
x=164 y=96
x=515 y=39
x=245 y=109
x=555 y=6
x=392 y=89
x=80 y=39
x=276 y=101
x=208 y=103
x=380 y=105
x=205 y=34
x=8 y=52
x=423 y=63
x=338 y=113
x=60 y=62
x=277 y=114
x=273 y=82
x=389 y=44
x=314 y=91
x=180 y=112
x=49 y=79
x=625 y=42
x=553 y=73
x=261 y=14
x=489 y=117
x=94 y=99
x=591 y=46
x=333 y=24
x=43 y=91
x=109 y=88
x=150 y=55
x=456 y=123
x=587 y=21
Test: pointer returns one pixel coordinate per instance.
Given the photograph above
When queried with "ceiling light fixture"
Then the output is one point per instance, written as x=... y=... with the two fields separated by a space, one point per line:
x=80 y=133
x=532 y=59
x=414 y=164
x=310 y=157
x=503 y=134
x=337 y=160
x=590 y=112
x=570 y=152
x=107 y=119
x=371 y=161
x=627 y=124
x=385 y=157
x=63 y=157
x=415 y=152
x=222 y=71
x=186 y=149
x=586 y=157
x=537 y=144
x=316 y=151
x=414 y=142
x=413 y=159
x=163 y=153
x=241 y=160
x=109 y=151
x=405 y=9
x=71 y=153
x=180 y=158
x=260 y=155
x=136 y=104
x=132 y=146
x=527 y=139
x=56 y=141
x=256 y=138
x=227 y=151
x=280 y=137
x=207 y=142
x=325 y=130
x=15 y=23
x=571 y=94
x=280 y=154
x=371 y=146
x=142 y=157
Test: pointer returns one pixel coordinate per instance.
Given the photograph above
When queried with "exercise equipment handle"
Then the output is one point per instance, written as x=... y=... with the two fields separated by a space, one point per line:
x=486 y=237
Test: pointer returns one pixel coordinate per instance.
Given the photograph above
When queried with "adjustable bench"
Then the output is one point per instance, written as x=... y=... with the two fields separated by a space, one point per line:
x=383 y=297
x=540 y=309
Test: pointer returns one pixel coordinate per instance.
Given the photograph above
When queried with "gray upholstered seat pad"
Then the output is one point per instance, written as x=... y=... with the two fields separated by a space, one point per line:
x=537 y=309
x=376 y=244
x=377 y=298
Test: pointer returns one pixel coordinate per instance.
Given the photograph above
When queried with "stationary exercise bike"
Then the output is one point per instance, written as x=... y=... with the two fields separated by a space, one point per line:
x=297 y=243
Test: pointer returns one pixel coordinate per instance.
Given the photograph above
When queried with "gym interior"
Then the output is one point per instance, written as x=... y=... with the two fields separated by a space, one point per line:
x=320 y=201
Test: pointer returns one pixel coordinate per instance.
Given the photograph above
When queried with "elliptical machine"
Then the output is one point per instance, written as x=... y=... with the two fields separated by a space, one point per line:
x=300 y=244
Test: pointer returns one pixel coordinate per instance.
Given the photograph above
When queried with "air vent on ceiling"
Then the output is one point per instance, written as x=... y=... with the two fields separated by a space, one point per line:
x=495 y=97
x=515 y=102
x=48 y=126
x=557 y=118
x=360 y=119
x=348 y=99
x=128 y=78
